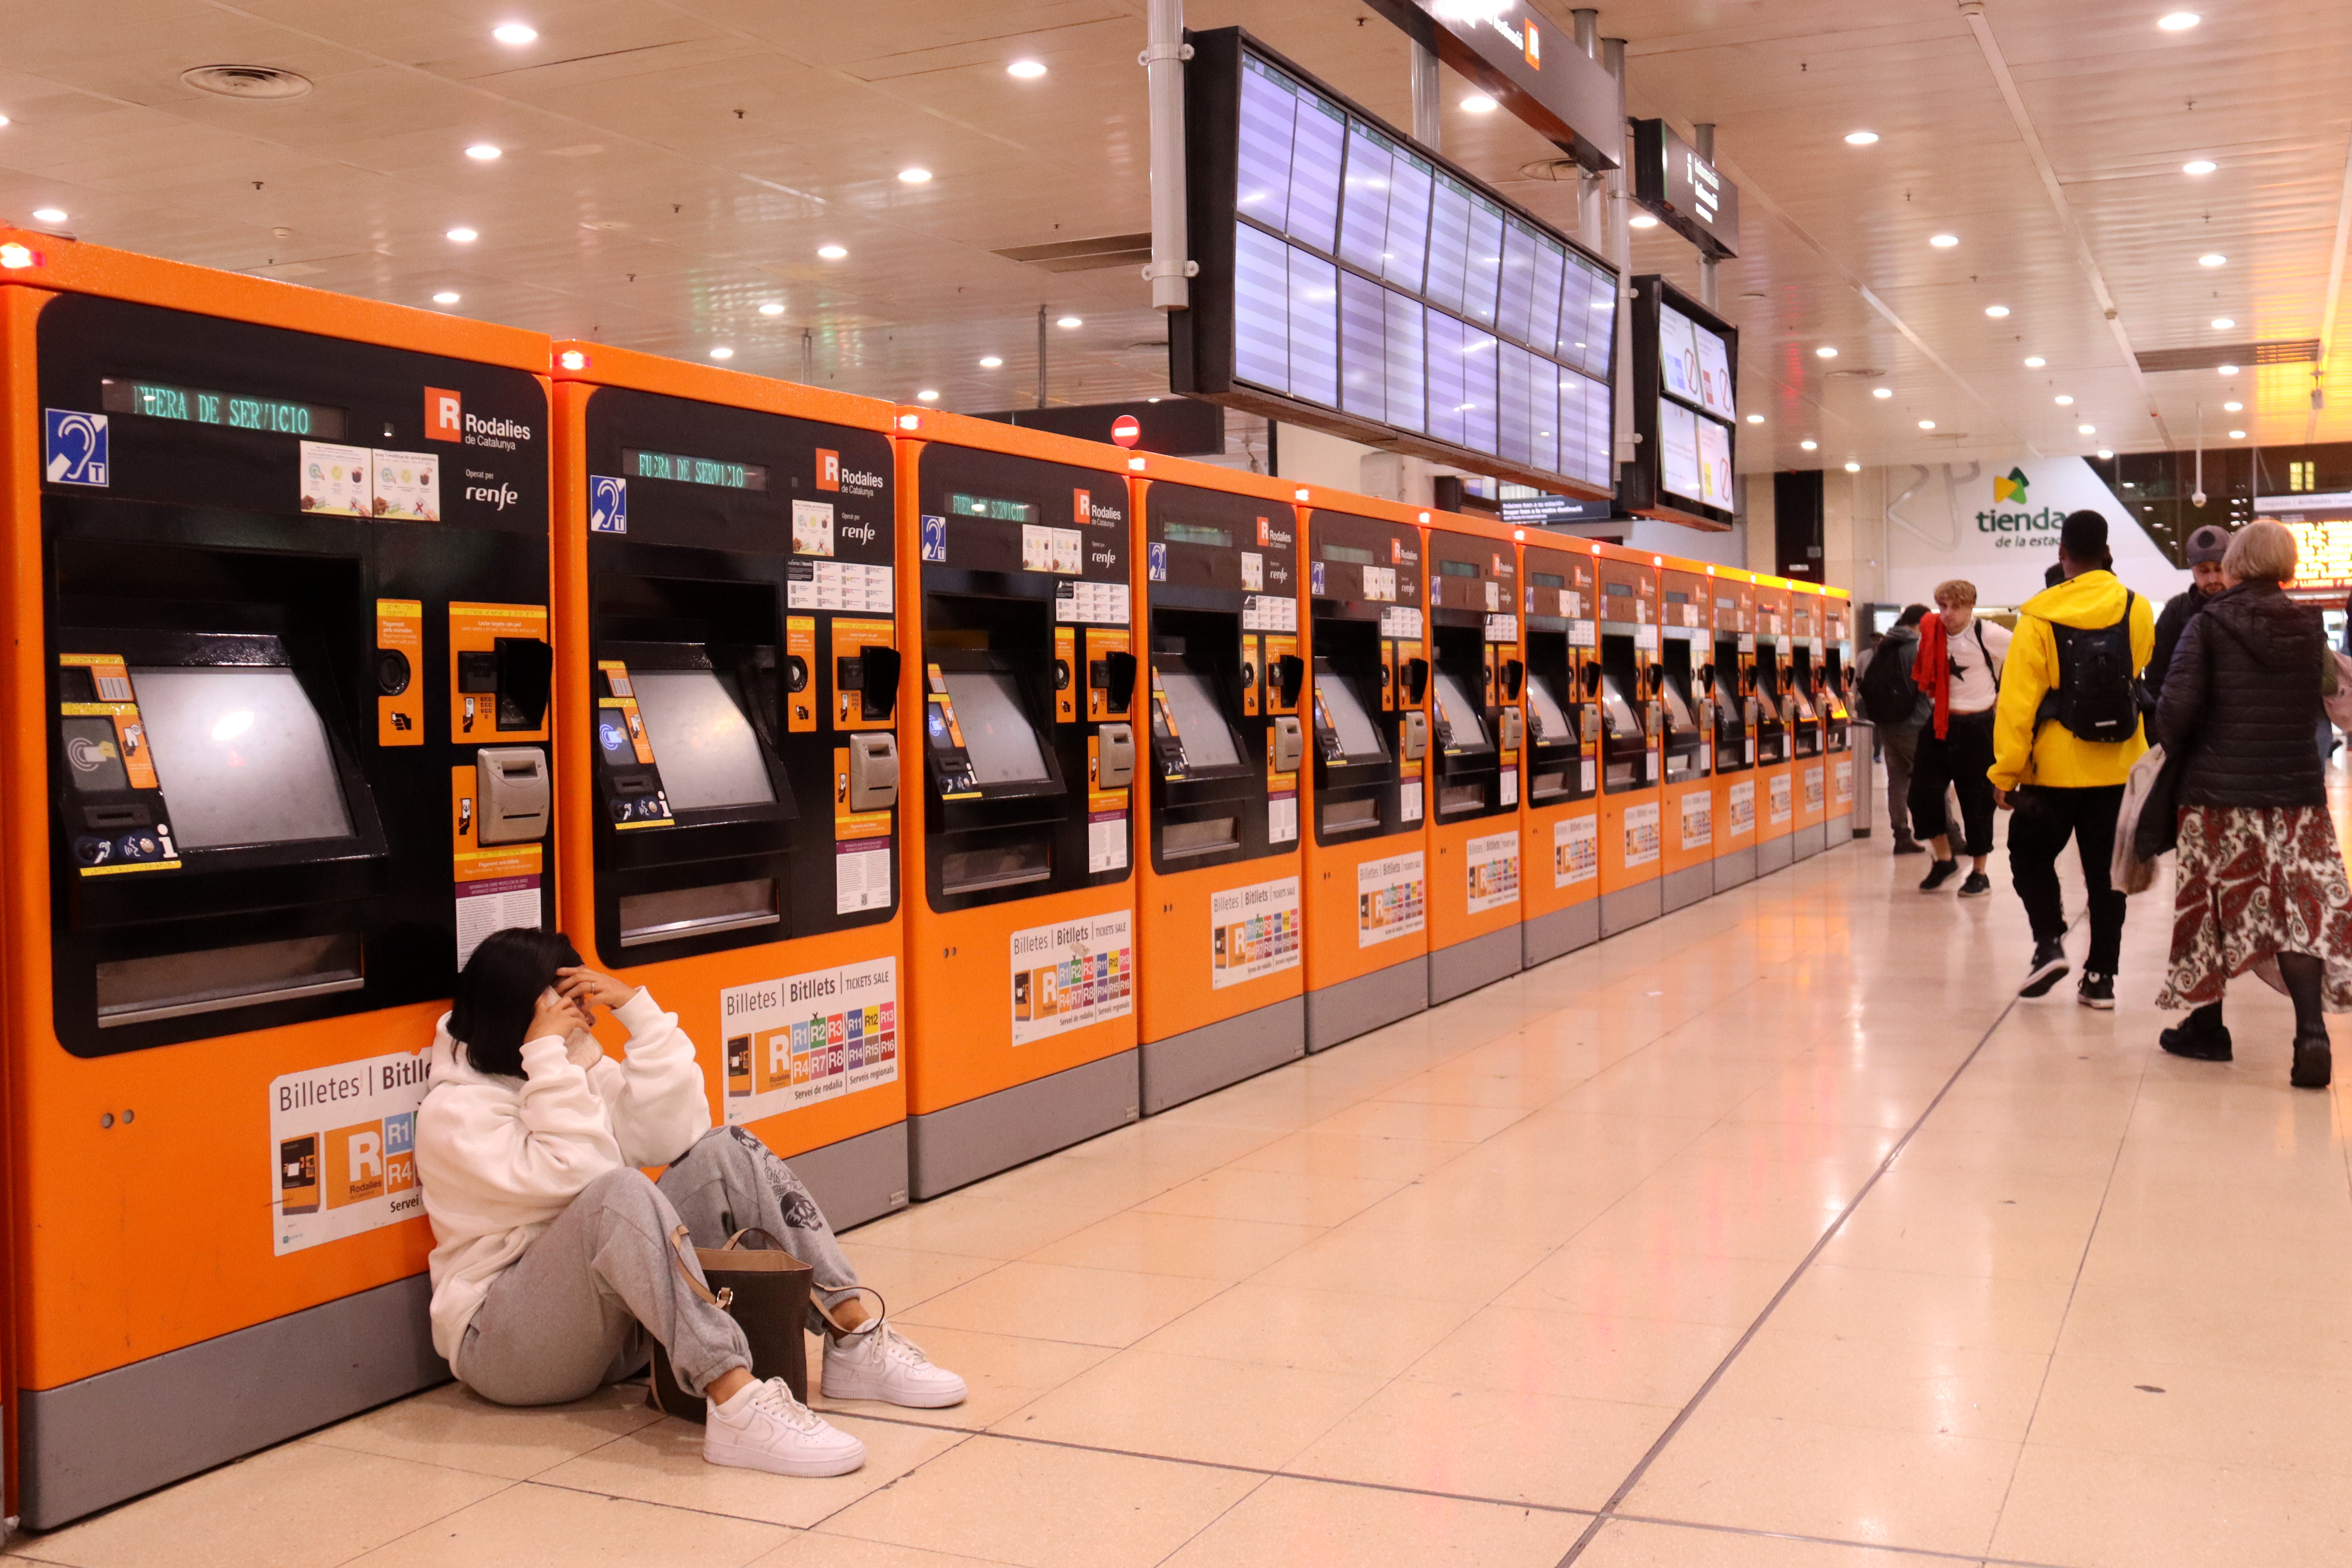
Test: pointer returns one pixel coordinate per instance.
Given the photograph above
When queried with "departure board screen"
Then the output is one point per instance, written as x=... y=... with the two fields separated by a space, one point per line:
x=1369 y=280
x=1686 y=400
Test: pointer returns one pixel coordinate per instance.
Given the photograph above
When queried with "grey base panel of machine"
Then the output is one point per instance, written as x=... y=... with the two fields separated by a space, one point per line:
x=1840 y=827
x=1629 y=907
x=1548 y=937
x=1734 y=866
x=1774 y=854
x=1198 y=1061
x=949 y=1149
x=95 y=1442
x=1367 y=1001
x=1807 y=842
x=859 y=1178
x=1461 y=969
x=1691 y=885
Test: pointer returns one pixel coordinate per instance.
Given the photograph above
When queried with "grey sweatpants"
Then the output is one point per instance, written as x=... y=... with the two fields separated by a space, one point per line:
x=584 y=1303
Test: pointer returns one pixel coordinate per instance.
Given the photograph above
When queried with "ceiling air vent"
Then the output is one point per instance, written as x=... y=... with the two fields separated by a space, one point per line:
x=1084 y=255
x=268 y=83
x=2280 y=350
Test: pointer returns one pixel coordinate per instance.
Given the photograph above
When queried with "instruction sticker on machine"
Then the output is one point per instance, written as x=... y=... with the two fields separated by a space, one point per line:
x=1642 y=834
x=1492 y=864
x=1575 y=850
x=1845 y=781
x=1814 y=799
x=805 y=1037
x=1391 y=898
x=342 y=1149
x=1072 y=974
x=1698 y=819
x=1254 y=932
x=1779 y=798
x=1740 y=809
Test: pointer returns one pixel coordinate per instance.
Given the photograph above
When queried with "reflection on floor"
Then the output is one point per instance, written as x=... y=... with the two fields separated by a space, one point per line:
x=1774 y=1233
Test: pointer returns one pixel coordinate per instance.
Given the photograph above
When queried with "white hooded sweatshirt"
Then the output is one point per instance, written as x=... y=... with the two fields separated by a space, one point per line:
x=499 y=1159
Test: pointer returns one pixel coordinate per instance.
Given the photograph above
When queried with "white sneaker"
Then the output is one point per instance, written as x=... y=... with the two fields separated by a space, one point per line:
x=878 y=1362
x=763 y=1428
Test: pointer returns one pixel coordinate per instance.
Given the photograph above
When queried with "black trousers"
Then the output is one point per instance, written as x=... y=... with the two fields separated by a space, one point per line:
x=2043 y=819
x=1962 y=759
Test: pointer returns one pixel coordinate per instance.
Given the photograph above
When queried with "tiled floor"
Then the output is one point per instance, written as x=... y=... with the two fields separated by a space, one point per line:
x=1774 y=1235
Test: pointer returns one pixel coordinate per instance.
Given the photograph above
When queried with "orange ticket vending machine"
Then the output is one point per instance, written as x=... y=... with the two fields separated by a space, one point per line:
x=1775 y=708
x=1837 y=708
x=1368 y=680
x=1220 y=925
x=1809 y=731
x=276 y=696
x=726 y=622
x=1732 y=598
x=1684 y=682
x=1560 y=816
x=1021 y=699
x=1478 y=740
x=1632 y=722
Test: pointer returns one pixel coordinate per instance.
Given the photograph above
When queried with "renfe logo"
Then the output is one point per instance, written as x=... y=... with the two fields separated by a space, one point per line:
x=1082 y=507
x=829 y=469
x=445 y=414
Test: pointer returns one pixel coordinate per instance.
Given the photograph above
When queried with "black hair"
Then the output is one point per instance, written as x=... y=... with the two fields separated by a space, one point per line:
x=1911 y=616
x=499 y=991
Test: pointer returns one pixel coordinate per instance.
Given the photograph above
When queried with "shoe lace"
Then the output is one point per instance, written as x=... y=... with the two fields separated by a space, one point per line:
x=775 y=1397
x=888 y=1342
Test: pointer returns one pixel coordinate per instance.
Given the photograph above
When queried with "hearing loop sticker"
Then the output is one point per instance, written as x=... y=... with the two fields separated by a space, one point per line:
x=342 y=1143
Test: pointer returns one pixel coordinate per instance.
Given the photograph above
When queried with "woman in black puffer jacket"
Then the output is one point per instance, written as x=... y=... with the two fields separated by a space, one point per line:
x=2261 y=883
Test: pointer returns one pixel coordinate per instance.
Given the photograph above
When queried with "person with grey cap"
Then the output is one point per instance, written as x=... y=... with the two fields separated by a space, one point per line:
x=2206 y=548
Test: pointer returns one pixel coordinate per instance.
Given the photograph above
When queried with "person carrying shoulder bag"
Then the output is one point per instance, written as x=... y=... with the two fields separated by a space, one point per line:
x=2261 y=884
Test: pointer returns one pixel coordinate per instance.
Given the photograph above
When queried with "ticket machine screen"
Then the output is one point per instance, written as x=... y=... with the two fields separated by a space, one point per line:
x=709 y=752
x=1551 y=724
x=241 y=755
x=1466 y=724
x=1200 y=721
x=997 y=733
x=1358 y=737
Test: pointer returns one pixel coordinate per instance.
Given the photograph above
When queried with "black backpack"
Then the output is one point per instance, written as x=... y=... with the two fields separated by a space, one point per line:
x=2096 y=698
x=1889 y=695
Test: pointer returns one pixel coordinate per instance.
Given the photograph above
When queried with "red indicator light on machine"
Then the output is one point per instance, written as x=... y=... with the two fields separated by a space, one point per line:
x=16 y=258
x=1127 y=430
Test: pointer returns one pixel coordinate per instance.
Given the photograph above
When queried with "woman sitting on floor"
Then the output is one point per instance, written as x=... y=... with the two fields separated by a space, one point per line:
x=553 y=1268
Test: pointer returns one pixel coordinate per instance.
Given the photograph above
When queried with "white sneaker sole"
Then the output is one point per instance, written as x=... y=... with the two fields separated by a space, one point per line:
x=857 y=1388
x=744 y=1457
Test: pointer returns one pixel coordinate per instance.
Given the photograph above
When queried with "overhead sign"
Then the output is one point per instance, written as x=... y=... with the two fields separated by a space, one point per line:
x=1687 y=192
x=1996 y=525
x=1686 y=360
x=1173 y=426
x=1528 y=65
x=1544 y=510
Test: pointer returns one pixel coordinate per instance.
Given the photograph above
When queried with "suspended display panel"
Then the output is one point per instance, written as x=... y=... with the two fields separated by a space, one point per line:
x=1686 y=407
x=1353 y=282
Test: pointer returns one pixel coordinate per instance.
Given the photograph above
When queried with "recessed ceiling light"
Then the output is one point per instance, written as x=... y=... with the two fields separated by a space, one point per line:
x=444 y=298
x=2227 y=369
x=2105 y=452
x=2237 y=435
x=913 y=176
x=1943 y=241
x=2034 y=362
x=2231 y=408
x=1755 y=419
x=1825 y=352
x=2212 y=258
x=4 y=119
x=2086 y=429
x=1155 y=400
x=2179 y=21
x=1810 y=446
x=1027 y=70
x=1861 y=138
x=462 y=235
x=1477 y=103
x=2224 y=323
x=990 y=361
x=1853 y=467
x=1996 y=311
x=1071 y=321
x=723 y=351
x=771 y=309
x=1642 y=220
x=1926 y=425
x=2063 y=401
x=483 y=150
x=514 y=33
x=49 y=215
x=2199 y=166
x=928 y=394
x=832 y=252
x=1881 y=392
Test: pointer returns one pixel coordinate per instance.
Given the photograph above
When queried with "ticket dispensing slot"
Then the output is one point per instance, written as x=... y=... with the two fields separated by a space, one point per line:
x=1684 y=694
x=207 y=784
x=696 y=834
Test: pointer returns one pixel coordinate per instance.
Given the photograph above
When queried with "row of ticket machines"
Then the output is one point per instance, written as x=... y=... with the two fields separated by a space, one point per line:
x=966 y=791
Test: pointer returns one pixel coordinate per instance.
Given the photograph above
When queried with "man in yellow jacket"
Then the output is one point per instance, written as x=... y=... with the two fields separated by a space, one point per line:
x=2048 y=768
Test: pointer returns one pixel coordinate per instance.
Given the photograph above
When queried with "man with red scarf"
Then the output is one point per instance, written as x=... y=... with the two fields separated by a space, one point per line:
x=1958 y=667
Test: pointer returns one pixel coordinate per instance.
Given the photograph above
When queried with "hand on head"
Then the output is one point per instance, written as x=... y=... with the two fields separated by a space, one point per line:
x=559 y=1015
x=586 y=987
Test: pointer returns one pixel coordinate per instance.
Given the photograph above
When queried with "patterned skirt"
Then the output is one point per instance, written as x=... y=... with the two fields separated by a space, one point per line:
x=2254 y=882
